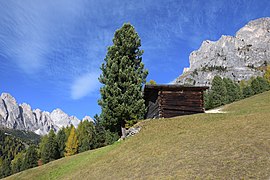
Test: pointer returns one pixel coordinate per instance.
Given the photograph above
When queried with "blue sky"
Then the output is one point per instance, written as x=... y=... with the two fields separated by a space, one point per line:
x=50 y=51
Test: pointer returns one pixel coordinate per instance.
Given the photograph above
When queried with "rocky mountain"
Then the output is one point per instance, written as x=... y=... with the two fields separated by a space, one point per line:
x=237 y=57
x=22 y=117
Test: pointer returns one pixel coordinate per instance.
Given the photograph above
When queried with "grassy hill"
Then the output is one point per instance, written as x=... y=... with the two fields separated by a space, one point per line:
x=235 y=145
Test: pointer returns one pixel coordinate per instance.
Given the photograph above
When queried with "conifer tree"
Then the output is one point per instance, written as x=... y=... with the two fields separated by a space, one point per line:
x=61 y=141
x=85 y=133
x=233 y=90
x=43 y=149
x=259 y=85
x=49 y=148
x=247 y=91
x=5 y=168
x=72 y=143
x=218 y=93
x=123 y=76
x=239 y=94
x=102 y=136
x=206 y=98
x=16 y=163
x=30 y=158
x=264 y=84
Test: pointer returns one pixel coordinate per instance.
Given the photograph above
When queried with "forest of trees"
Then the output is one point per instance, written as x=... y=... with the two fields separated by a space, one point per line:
x=17 y=156
x=224 y=90
x=70 y=140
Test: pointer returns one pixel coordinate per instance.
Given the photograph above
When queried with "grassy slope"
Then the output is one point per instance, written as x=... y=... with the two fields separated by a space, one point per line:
x=204 y=146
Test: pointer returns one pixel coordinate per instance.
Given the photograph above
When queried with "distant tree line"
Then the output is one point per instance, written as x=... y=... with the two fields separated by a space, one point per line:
x=70 y=140
x=224 y=90
x=15 y=155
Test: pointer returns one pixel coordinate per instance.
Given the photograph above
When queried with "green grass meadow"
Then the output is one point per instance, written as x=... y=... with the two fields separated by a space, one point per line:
x=233 y=145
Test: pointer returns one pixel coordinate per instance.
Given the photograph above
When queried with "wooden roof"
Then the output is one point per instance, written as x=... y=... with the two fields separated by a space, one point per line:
x=174 y=87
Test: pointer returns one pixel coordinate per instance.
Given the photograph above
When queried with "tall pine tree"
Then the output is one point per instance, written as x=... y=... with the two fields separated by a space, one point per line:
x=61 y=141
x=218 y=93
x=233 y=90
x=48 y=148
x=85 y=133
x=123 y=76
x=30 y=158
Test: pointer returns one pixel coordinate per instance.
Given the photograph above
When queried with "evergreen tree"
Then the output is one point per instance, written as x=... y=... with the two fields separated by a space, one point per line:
x=61 y=140
x=264 y=84
x=30 y=158
x=259 y=85
x=123 y=76
x=218 y=93
x=239 y=94
x=247 y=91
x=5 y=168
x=43 y=149
x=102 y=136
x=233 y=90
x=17 y=163
x=256 y=87
x=49 y=148
x=207 y=102
x=72 y=143
x=85 y=133
x=52 y=146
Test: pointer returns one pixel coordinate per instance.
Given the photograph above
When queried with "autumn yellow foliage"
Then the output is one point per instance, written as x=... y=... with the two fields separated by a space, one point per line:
x=72 y=143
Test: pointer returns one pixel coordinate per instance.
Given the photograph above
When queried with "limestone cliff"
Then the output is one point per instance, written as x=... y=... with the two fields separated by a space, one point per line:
x=237 y=57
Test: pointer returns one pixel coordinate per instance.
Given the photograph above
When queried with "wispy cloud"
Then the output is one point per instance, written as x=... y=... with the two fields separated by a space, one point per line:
x=63 y=42
x=85 y=85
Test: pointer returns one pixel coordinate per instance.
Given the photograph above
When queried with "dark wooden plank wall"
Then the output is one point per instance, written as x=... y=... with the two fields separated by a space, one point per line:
x=176 y=103
x=152 y=104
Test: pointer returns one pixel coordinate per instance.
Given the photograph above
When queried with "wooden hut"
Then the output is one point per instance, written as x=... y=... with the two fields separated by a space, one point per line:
x=173 y=100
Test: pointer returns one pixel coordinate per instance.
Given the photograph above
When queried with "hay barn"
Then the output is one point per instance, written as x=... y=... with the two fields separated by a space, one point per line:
x=173 y=100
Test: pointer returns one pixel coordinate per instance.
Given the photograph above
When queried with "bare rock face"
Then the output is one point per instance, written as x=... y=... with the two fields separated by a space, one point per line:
x=27 y=116
x=22 y=117
x=61 y=119
x=238 y=58
x=13 y=116
x=3 y=111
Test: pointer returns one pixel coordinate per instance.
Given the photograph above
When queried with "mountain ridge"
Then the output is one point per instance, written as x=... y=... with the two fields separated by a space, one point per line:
x=22 y=117
x=238 y=57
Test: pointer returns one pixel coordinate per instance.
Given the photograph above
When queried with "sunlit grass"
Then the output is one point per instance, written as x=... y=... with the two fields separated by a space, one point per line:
x=235 y=145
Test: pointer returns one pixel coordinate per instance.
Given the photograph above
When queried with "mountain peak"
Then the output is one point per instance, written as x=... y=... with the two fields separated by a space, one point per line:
x=26 y=106
x=88 y=118
x=7 y=96
x=58 y=110
x=238 y=57
x=22 y=117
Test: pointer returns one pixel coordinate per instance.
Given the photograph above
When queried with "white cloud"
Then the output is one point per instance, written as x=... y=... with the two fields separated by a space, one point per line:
x=85 y=85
